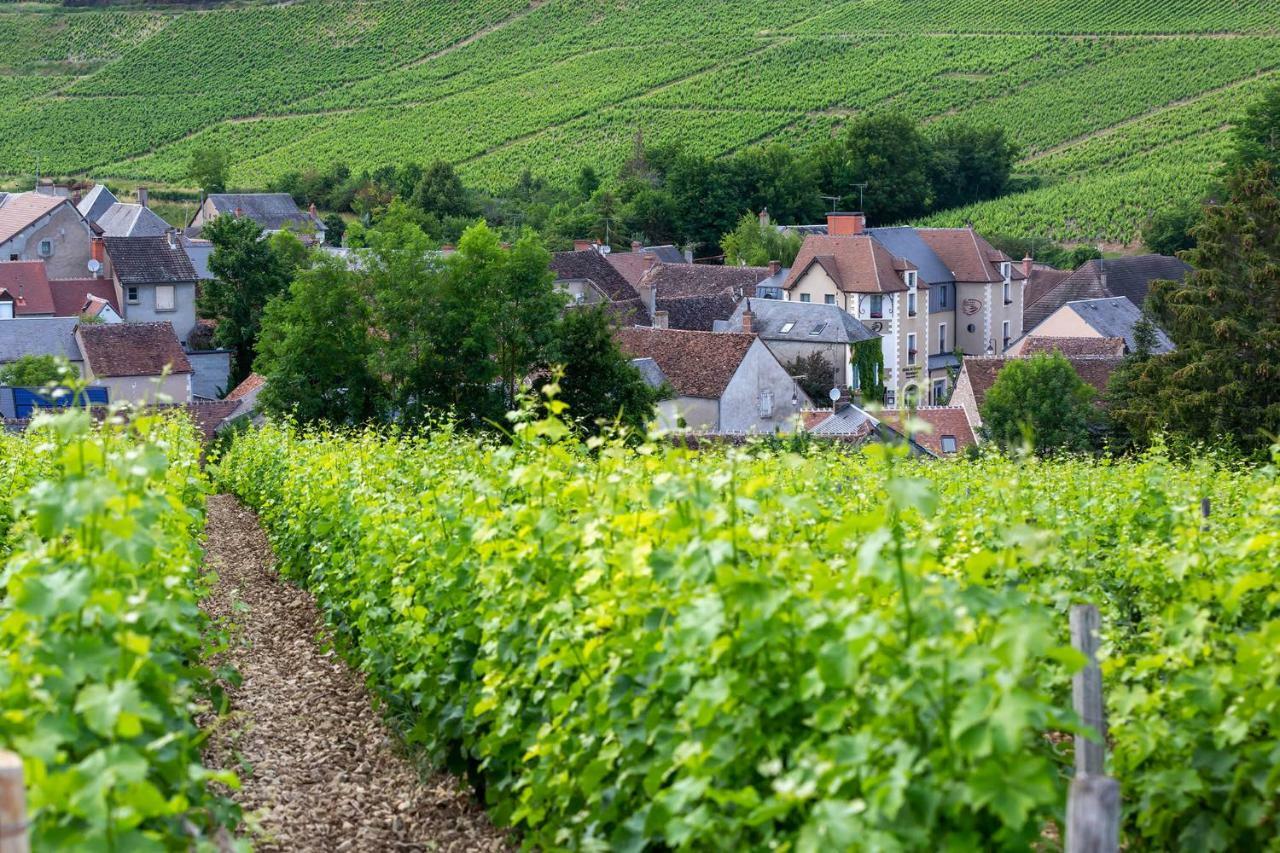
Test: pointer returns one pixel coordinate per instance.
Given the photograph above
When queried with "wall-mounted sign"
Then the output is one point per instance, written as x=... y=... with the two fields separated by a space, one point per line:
x=971 y=306
x=877 y=327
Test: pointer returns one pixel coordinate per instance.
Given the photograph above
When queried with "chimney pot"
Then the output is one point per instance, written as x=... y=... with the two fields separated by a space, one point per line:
x=172 y=236
x=846 y=224
x=98 y=250
x=143 y=196
x=660 y=319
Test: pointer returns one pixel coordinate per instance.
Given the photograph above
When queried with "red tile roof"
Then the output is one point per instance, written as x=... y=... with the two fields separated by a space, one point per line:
x=71 y=294
x=1074 y=347
x=983 y=370
x=252 y=383
x=857 y=264
x=697 y=364
x=681 y=280
x=969 y=257
x=21 y=209
x=28 y=284
x=944 y=421
x=132 y=349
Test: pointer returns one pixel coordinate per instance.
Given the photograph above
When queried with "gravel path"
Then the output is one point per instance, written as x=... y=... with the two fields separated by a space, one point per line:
x=320 y=771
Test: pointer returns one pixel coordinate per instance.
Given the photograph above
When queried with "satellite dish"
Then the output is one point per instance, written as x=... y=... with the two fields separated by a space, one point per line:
x=94 y=265
x=834 y=394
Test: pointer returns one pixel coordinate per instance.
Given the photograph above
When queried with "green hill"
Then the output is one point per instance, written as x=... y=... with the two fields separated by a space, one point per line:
x=1120 y=105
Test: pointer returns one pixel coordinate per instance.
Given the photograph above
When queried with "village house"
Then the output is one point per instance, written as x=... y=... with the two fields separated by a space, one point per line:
x=724 y=383
x=154 y=280
x=978 y=374
x=130 y=220
x=1107 y=318
x=44 y=228
x=26 y=291
x=272 y=211
x=1049 y=289
x=795 y=330
x=136 y=362
x=946 y=431
x=928 y=292
x=634 y=264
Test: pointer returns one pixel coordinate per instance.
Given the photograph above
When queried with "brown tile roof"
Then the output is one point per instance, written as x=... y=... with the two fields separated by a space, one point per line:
x=1074 y=347
x=856 y=264
x=1043 y=280
x=149 y=260
x=945 y=420
x=132 y=349
x=983 y=370
x=209 y=415
x=697 y=364
x=71 y=294
x=678 y=280
x=19 y=210
x=591 y=266
x=970 y=257
x=1104 y=278
x=698 y=313
x=28 y=284
x=252 y=383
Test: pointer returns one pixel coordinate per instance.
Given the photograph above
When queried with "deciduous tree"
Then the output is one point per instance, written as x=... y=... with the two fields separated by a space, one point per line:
x=1042 y=400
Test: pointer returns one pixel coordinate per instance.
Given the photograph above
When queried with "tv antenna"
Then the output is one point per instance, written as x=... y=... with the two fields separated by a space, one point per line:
x=861 y=188
x=834 y=199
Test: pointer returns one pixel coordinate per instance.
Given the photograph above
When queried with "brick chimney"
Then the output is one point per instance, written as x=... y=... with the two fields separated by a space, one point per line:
x=845 y=224
x=648 y=297
x=748 y=321
x=636 y=245
x=582 y=245
x=764 y=217
x=775 y=267
x=1027 y=263
x=98 y=252
x=660 y=319
x=649 y=260
x=144 y=198
x=314 y=211
x=172 y=236
x=239 y=212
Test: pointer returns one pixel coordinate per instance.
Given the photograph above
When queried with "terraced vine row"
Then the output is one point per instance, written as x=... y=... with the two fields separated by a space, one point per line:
x=505 y=85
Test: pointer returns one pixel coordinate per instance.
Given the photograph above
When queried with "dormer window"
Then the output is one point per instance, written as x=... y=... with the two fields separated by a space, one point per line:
x=1006 y=270
x=910 y=276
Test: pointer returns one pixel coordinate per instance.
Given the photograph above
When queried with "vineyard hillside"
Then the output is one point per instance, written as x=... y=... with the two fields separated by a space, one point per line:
x=1119 y=105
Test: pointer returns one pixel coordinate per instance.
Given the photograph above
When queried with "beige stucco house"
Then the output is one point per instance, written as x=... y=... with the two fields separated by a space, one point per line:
x=138 y=362
x=45 y=228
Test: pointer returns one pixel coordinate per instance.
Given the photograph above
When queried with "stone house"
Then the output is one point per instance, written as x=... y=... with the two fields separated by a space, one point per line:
x=724 y=382
x=154 y=280
x=978 y=374
x=793 y=330
x=272 y=211
x=1094 y=319
x=137 y=362
x=44 y=228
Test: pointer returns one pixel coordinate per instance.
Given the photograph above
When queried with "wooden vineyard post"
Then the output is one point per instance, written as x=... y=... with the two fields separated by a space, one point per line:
x=1093 y=805
x=13 y=806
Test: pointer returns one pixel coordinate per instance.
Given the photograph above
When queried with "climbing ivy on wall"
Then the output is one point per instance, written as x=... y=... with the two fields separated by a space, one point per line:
x=868 y=366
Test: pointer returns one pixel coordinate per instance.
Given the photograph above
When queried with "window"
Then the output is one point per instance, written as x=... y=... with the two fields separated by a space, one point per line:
x=817 y=330
x=911 y=348
x=910 y=276
x=46 y=248
x=1004 y=331
x=1006 y=270
x=877 y=305
x=131 y=294
x=939 y=392
x=889 y=399
x=948 y=444
x=1008 y=293
x=788 y=326
x=766 y=403
x=942 y=337
x=911 y=305
x=829 y=299
x=164 y=297
x=942 y=296
x=804 y=297
x=15 y=257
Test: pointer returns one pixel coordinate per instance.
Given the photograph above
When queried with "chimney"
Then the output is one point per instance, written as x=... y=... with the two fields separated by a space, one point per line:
x=239 y=212
x=1027 y=263
x=143 y=197
x=649 y=297
x=764 y=217
x=98 y=251
x=748 y=321
x=172 y=236
x=636 y=245
x=582 y=245
x=775 y=267
x=660 y=319
x=314 y=211
x=649 y=260
x=845 y=224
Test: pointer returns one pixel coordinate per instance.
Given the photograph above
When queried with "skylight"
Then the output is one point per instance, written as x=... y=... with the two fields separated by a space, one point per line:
x=817 y=330
x=787 y=327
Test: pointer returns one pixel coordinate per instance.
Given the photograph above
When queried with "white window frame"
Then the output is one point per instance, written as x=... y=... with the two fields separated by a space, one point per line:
x=871 y=306
x=45 y=248
x=890 y=398
x=942 y=338
x=912 y=278
x=131 y=294
x=1006 y=270
x=169 y=304
x=911 y=348
x=954 y=444
x=1004 y=330
x=939 y=391
x=911 y=304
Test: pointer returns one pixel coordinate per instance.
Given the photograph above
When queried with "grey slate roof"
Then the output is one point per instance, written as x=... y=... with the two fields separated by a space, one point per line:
x=848 y=421
x=653 y=375
x=771 y=317
x=273 y=211
x=39 y=336
x=1115 y=317
x=590 y=265
x=131 y=220
x=1099 y=279
x=96 y=202
x=149 y=260
x=199 y=252
x=905 y=242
